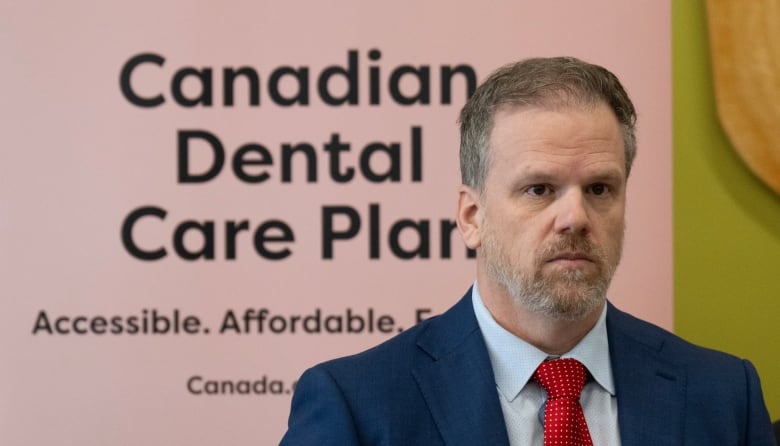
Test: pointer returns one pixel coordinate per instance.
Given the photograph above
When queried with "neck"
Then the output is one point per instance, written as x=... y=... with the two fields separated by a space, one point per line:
x=554 y=336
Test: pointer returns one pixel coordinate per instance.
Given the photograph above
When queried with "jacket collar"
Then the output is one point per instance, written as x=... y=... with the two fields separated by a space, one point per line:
x=458 y=384
x=459 y=387
x=650 y=389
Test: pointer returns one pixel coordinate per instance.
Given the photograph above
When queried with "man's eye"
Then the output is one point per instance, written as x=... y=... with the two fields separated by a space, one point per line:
x=599 y=189
x=538 y=190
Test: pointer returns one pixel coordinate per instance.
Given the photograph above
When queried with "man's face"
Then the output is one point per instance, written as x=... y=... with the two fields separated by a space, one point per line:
x=552 y=213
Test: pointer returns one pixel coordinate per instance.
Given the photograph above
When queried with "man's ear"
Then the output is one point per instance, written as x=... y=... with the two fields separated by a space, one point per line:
x=469 y=216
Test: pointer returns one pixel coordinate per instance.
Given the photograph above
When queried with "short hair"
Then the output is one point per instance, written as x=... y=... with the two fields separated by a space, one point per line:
x=538 y=82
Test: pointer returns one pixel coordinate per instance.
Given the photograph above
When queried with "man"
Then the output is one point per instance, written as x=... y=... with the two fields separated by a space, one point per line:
x=546 y=149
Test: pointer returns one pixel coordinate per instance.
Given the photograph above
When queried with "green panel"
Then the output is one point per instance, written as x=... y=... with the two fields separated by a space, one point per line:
x=726 y=222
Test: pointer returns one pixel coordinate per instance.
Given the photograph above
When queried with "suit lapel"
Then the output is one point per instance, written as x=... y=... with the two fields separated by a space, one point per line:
x=650 y=391
x=459 y=388
x=458 y=384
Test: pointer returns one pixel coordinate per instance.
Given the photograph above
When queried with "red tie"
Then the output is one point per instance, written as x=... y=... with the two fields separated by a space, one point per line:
x=564 y=422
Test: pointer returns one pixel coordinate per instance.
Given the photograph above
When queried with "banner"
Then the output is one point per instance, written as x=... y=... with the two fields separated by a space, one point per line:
x=201 y=200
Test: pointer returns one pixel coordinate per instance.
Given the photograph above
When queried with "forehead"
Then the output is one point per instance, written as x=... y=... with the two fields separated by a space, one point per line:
x=564 y=137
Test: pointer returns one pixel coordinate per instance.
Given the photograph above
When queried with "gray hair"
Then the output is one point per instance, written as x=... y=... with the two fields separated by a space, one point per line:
x=538 y=82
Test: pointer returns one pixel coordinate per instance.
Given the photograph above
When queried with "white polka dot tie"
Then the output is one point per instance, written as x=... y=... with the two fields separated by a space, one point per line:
x=564 y=422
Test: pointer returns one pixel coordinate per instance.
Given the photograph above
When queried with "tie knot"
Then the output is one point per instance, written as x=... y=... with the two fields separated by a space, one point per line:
x=561 y=378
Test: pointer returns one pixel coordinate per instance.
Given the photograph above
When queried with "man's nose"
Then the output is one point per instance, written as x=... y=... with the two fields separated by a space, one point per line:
x=571 y=211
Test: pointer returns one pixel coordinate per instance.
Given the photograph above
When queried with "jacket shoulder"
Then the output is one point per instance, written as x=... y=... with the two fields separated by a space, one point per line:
x=427 y=341
x=668 y=345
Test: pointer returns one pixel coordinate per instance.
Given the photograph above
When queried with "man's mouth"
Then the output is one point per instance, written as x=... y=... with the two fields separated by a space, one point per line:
x=571 y=257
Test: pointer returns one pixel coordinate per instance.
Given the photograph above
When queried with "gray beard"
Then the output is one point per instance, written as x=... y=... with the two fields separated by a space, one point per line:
x=562 y=295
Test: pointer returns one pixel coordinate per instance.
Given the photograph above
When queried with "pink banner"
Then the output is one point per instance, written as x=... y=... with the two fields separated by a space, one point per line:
x=200 y=200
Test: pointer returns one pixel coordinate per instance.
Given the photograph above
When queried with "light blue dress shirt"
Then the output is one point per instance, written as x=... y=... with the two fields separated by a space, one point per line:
x=514 y=362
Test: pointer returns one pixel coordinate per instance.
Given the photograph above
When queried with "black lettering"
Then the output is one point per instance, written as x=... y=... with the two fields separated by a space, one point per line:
x=373 y=78
x=355 y=322
x=231 y=231
x=385 y=324
x=277 y=324
x=230 y=75
x=217 y=150
x=423 y=76
x=212 y=388
x=313 y=322
x=161 y=324
x=58 y=325
x=447 y=73
x=276 y=387
x=127 y=88
x=203 y=78
x=334 y=148
x=330 y=235
x=42 y=323
x=417 y=161
x=373 y=231
x=243 y=387
x=230 y=323
x=262 y=238
x=422 y=228
x=78 y=325
x=240 y=159
x=206 y=231
x=419 y=314
x=98 y=325
x=334 y=324
x=132 y=325
x=350 y=74
x=393 y=152
x=311 y=161
x=191 y=385
x=294 y=319
x=127 y=233
x=301 y=75
x=191 y=325
x=116 y=325
x=447 y=227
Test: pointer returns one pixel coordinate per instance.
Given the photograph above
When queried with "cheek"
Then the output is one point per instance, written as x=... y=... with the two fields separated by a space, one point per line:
x=519 y=233
x=612 y=233
x=526 y=245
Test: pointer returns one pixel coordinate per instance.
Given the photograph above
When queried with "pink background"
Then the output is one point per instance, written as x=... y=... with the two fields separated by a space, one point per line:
x=77 y=158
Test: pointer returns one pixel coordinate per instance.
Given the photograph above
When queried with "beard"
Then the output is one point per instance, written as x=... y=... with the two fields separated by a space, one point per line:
x=564 y=294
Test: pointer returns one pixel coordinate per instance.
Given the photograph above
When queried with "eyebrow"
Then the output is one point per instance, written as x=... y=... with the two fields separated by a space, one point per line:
x=538 y=176
x=611 y=175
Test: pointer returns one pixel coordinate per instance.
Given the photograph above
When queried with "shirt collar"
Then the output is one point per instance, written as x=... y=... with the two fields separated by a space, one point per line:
x=514 y=360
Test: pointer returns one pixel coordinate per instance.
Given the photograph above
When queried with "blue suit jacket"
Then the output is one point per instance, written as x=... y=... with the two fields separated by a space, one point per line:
x=434 y=385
